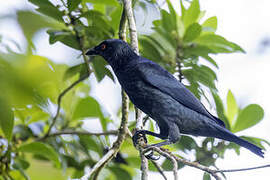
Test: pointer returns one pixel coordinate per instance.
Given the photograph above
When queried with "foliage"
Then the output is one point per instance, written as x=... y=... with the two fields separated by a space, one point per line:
x=30 y=85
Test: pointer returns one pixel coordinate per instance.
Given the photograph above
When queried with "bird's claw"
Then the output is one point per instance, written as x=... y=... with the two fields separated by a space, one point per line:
x=137 y=137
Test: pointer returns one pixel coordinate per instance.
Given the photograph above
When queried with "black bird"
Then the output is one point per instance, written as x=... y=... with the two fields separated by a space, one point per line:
x=161 y=96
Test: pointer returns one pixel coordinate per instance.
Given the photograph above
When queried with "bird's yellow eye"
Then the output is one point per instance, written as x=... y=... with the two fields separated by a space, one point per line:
x=103 y=47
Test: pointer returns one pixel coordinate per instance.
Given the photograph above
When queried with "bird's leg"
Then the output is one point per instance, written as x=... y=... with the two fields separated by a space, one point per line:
x=141 y=134
x=173 y=137
x=166 y=142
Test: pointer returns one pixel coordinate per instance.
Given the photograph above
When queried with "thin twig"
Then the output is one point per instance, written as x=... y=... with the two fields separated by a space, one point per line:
x=72 y=132
x=160 y=170
x=81 y=38
x=59 y=99
x=167 y=155
x=117 y=144
x=212 y=172
x=123 y=130
x=241 y=169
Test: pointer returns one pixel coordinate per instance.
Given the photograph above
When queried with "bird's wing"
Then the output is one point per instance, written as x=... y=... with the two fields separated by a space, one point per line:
x=158 y=77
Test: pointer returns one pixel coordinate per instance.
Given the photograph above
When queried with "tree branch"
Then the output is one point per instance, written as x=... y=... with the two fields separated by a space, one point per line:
x=160 y=170
x=80 y=39
x=72 y=132
x=243 y=169
x=212 y=172
x=123 y=130
x=170 y=156
x=59 y=99
x=134 y=45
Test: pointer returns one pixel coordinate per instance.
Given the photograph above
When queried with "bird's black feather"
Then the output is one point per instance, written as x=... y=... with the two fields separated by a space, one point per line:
x=160 y=95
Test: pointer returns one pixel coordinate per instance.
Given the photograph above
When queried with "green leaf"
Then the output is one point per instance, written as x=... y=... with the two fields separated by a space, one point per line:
x=65 y=37
x=74 y=70
x=88 y=143
x=120 y=172
x=199 y=50
x=149 y=49
x=115 y=17
x=6 y=119
x=220 y=109
x=210 y=24
x=105 y=2
x=100 y=68
x=186 y=142
x=183 y=9
x=248 y=117
x=41 y=149
x=218 y=43
x=86 y=108
x=31 y=23
x=167 y=22
x=168 y=166
x=206 y=176
x=232 y=108
x=173 y=14
x=73 y=4
x=192 y=13
x=47 y=8
x=192 y=32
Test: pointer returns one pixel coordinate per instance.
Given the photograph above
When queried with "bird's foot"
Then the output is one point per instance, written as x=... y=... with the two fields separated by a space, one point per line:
x=139 y=138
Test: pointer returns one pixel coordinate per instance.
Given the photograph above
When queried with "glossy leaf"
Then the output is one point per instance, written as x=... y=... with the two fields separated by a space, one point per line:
x=202 y=51
x=210 y=24
x=218 y=43
x=183 y=9
x=31 y=23
x=47 y=8
x=220 y=109
x=41 y=149
x=6 y=119
x=192 y=13
x=232 y=108
x=86 y=108
x=192 y=32
x=186 y=142
x=65 y=37
x=173 y=15
x=101 y=70
x=248 y=117
x=74 y=70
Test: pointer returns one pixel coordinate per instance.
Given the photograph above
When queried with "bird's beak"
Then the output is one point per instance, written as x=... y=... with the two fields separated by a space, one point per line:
x=91 y=52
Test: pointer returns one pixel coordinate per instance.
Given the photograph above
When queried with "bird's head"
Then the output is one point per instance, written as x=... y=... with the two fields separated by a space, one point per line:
x=114 y=51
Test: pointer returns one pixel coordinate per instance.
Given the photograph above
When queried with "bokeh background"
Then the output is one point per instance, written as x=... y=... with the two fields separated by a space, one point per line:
x=245 y=22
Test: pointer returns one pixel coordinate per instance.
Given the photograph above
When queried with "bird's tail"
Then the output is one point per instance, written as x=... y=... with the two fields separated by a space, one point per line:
x=228 y=136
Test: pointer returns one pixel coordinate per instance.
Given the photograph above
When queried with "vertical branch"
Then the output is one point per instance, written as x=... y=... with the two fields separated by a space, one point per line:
x=123 y=129
x=134 y=45
x=132 y=25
